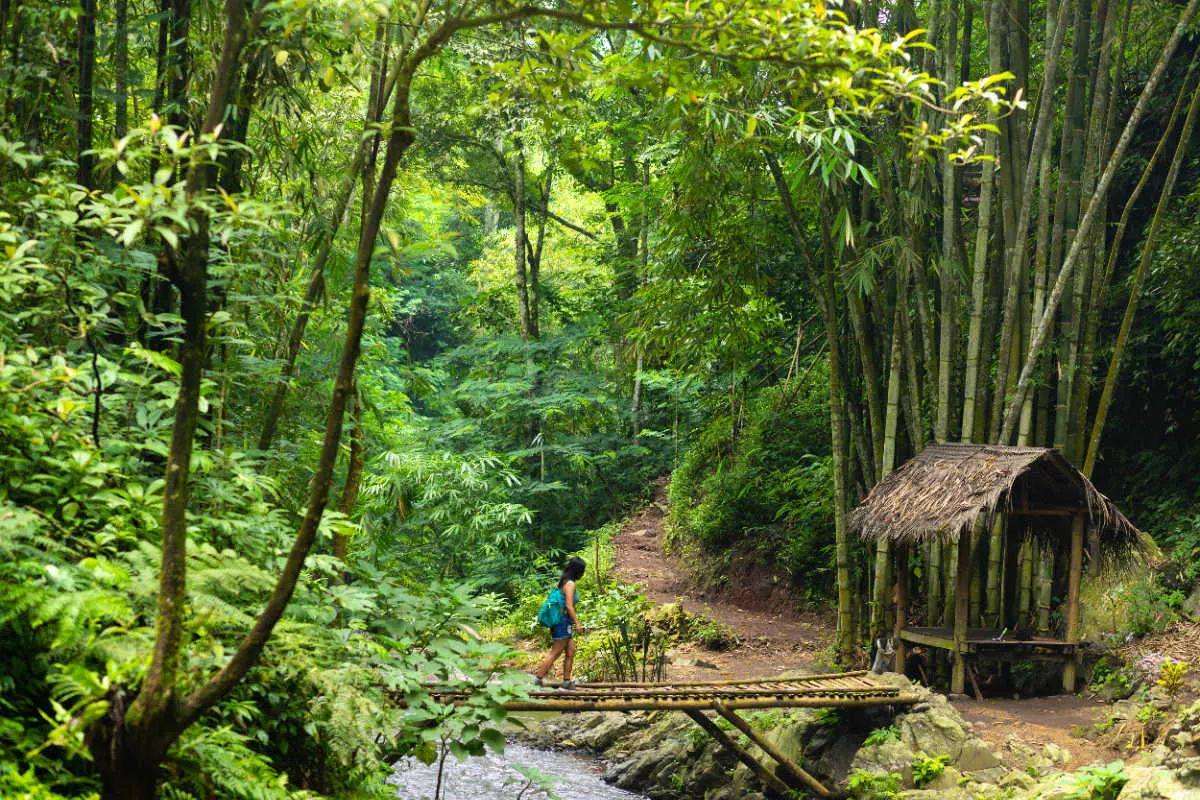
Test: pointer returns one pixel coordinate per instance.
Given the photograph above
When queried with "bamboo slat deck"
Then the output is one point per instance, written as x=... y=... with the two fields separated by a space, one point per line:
x=840 y=690
x=813 y=691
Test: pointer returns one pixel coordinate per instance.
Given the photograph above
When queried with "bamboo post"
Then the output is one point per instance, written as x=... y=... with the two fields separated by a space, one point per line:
x=764 y=775
x=1074 y=576
x=901 y=607
x=793 y=773
x=958 y=678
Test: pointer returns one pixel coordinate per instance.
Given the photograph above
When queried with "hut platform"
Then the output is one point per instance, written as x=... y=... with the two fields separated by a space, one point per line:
x=987 y=643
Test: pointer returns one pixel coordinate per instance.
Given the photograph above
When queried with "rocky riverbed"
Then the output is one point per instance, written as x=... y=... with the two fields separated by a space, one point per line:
x=923 y=752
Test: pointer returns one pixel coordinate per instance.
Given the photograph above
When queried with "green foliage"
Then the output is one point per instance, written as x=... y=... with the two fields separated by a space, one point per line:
x=536 y=778
x=1172 y=675
x=1112 y=678
x=768 y=481
x=679 y=625
x=1150 y=609
x=863 y=785
x=634 y=653
x=827 y=717
x=881 y=735
x=928 y=768
x=1096 y=782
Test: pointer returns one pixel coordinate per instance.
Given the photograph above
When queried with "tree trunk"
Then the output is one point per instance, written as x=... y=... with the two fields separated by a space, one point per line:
x=354 y=471
x=974 y=378
x=382 y=85
x=519 y=255
x=116 y=742
x=948 y=273
x=121 y=69
x=87 y=71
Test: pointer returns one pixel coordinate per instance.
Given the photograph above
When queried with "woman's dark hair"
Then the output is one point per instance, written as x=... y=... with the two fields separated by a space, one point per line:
x=573 y=571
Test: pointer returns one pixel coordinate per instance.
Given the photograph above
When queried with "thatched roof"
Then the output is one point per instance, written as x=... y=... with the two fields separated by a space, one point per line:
x=941 y=494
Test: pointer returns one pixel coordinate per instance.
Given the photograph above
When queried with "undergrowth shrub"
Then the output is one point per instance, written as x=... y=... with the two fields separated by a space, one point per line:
x=769 y=481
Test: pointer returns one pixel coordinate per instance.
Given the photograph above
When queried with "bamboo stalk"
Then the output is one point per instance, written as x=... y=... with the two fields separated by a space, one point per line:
x=792 y=771
x=764 y=775
x=1114 y=366
x=1098 y=199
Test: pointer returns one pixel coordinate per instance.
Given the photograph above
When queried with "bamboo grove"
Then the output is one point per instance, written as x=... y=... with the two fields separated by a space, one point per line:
x=984 y=323
x=475 y=269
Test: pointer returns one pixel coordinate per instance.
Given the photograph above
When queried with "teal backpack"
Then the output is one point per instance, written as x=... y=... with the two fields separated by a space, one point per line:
x=551 y=612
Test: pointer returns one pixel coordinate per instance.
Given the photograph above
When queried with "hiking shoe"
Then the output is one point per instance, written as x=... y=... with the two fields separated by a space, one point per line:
x=537 y=681
x=567 y=685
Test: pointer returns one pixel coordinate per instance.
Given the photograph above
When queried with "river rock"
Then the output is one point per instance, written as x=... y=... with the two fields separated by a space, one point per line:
x=605 y=729
x=954 y=793
x=631 y=773
x=1018 y=781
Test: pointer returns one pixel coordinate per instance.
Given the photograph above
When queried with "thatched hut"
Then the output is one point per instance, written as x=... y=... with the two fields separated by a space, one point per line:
x=949 y=492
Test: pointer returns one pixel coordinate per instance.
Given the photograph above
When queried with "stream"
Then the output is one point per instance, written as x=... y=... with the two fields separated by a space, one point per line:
x=494 y=777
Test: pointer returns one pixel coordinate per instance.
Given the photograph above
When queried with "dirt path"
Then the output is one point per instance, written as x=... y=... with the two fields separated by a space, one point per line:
x=775 y=637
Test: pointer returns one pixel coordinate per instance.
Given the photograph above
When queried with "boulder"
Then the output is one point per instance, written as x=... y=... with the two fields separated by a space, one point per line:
x=1018 y=781
x=632 y=772
x=885 y=758
x=1055 y=754
x=947 y=781
x=606 y=730
x=1156 y=783
x=975 y=756
x=938 y=729
x=1052 y=789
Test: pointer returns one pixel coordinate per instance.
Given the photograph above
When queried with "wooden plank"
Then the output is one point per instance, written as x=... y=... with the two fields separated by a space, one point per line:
x=932 y=640
x=765 y=776
x=793 y=773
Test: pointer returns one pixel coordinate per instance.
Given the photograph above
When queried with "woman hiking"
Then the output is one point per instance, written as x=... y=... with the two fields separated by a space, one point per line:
x=562 y=632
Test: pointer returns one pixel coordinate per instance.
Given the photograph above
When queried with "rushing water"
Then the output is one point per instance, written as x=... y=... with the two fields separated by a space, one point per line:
x=493 y=777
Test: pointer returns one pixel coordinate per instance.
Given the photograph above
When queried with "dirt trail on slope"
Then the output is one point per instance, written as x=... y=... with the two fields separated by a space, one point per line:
x=775 y=636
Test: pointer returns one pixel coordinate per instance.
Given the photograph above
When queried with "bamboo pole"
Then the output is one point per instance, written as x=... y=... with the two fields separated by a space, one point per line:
x=807 y=679
x=1099 y=197
x=962 y=584
x=1074 y=576
x=767 y=777
x=1135 y=291
x=793 y=773
x=898 y=643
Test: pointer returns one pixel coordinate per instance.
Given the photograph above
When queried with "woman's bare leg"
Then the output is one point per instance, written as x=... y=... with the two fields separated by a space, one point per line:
x=569 y=661
x=555 y=651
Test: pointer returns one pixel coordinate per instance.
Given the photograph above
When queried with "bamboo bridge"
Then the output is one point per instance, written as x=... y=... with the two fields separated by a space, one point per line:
x=839 y=690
